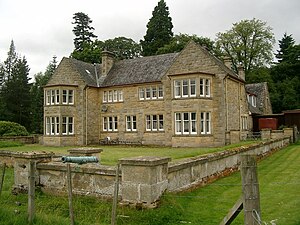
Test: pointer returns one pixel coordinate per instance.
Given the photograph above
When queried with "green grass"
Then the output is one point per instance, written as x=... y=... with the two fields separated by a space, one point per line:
x=9 y=144
x=279 y=177
x=111 y=154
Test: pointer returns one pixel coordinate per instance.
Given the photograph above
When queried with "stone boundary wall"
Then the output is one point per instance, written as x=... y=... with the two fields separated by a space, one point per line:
x=198 y=171
x=23 y=139
x=142 y=179
x=89 y=179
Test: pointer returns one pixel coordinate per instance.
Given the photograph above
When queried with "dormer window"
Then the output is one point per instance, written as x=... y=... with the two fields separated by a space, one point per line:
x=252 y=99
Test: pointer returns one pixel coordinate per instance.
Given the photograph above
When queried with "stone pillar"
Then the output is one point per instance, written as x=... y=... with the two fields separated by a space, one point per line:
x=21 y=167
x=144 y=179
x=289 y=132
x=265 y=134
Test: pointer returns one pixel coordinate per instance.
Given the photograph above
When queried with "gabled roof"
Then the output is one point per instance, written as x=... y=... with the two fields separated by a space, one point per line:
x=139 y=70
x=86 y=70
x=260 y=91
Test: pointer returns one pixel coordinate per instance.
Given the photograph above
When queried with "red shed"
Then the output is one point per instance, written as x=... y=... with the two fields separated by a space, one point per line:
x=271 y=123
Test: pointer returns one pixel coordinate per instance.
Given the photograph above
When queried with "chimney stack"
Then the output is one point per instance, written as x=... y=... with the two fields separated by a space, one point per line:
x=108 y=59
x=227 y=62
x=241 y=72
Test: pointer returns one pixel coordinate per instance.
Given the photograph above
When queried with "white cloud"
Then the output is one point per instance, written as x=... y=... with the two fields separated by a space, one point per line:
x=41 y=29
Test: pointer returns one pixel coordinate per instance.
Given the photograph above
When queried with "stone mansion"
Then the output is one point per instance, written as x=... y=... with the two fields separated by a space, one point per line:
x=189 y=99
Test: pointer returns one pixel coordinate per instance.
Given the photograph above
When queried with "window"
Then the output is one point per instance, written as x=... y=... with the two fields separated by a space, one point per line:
x=113 y=96
x=204 y=87
x=154 y=122
x=151 y=93
x=110 y=123
x=52 y=126
x=48 y=97
x=105 y=96
x=110 y=96
x=186 y=123
x=244 y=123
x=185 y=88
x=148 y=93
x=205 y=123
x=57 y=97
x=130 y=123
x=67 y=125
x=142 y=93
x=160 y=91
x=68 y=97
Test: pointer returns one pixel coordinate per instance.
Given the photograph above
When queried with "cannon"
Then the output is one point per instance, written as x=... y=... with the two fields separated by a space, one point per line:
x=79 y=159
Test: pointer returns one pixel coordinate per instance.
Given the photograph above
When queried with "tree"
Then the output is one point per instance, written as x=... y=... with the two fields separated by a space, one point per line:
x=159 y=30
x=82 y=30
x=16 y=94
x=285 y=44
x=248 y=43
x=179 y=41
x=123 y=48
x=286 y=76
x=10 y=62
x=91 y=53
x=37 y=97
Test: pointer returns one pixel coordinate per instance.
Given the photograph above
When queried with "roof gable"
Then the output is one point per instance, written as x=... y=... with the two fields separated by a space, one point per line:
x=74 y=72
x=195 y=58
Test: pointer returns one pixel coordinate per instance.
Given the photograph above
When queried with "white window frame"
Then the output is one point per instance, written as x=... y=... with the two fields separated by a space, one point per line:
x=186 y=123
x=131 y=124
x=185 y=88
x=154 y=122
x=205 y=123
x=105 y=97
x=110 y=123
x=67 y=125
x=141 y=93
x=160 y=92
x=57 y=96
x=151 y=92
x=244 y=124
x=205 y=87
x=48 y=97
x=120 y=95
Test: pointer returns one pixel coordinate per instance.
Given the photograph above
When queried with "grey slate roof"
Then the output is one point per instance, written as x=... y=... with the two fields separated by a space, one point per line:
x=86 y=70
x=139 y=70
x=258 y=89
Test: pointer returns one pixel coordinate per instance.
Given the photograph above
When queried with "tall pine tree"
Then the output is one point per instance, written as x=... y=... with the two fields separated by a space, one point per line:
x=83 y=31
x=16 y=94
x=159 y=30
x=285 y=45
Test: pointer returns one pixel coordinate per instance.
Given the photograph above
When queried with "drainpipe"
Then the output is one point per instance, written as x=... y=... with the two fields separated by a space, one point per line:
x=86 y=114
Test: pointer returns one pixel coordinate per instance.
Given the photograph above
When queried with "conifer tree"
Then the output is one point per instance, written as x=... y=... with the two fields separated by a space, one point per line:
x=83 y=31
x=16 y=94
x=159 y=30
x=285 y=45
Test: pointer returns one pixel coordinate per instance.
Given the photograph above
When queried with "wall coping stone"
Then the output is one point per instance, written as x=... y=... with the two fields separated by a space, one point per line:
x=145 y=161
x=86 y=168
x=87 y=151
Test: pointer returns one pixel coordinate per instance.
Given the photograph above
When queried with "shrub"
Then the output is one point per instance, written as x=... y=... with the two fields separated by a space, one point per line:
x=12 y=129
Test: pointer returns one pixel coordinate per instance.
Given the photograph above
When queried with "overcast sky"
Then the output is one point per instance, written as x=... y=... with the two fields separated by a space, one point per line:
x=43 y=28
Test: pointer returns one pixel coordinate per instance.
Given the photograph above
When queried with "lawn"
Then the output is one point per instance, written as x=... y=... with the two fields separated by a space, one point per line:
x=279 y=177
x=111 y=154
